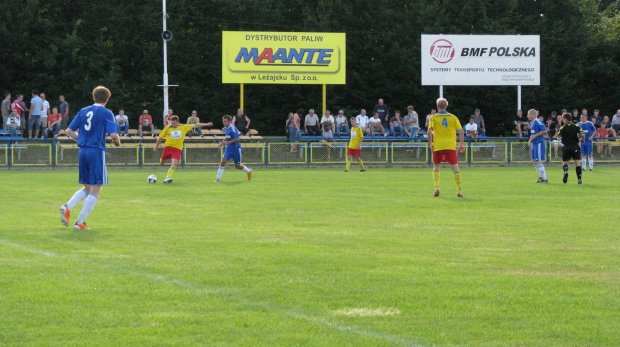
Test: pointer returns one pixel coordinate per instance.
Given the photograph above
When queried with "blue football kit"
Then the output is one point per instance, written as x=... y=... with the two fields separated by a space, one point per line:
x=232 y=150
x=93 y=123
x=538 y=144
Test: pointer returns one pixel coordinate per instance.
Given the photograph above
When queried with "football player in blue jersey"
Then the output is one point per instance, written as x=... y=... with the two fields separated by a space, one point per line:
x=232 y=149
x=89 y=128
x=589 y=131
x=537 y=141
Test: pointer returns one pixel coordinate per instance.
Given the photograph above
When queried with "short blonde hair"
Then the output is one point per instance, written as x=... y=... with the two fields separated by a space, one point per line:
x=442 y=103
x=101 y=94
x=228 y=118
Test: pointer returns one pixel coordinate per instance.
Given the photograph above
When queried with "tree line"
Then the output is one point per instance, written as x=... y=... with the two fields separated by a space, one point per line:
x=70 y=46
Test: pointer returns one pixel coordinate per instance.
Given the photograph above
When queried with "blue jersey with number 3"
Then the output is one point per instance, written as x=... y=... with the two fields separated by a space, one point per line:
x=93 y=123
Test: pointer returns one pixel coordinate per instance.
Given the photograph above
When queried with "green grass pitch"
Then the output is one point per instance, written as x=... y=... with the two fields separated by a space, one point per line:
x=313 y=257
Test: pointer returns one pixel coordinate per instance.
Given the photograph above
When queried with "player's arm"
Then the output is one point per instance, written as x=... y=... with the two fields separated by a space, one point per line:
x=461 y=139
x=116 y=140
x=72 y=134
x=156 y=148
x=202 y=125
x=248 y=122
x=429 y=134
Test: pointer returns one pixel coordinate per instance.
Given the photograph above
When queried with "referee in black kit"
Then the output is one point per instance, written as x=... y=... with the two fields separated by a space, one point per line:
x=571 y=135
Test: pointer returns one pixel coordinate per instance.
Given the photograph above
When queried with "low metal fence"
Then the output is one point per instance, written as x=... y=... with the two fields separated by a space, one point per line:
x=498 y=151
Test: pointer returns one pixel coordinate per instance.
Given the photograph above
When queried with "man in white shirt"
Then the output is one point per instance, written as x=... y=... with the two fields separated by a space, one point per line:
x=311 y=123
x=412 y=124
x=363 y=121
x=471 y=128
x=329 y=120
x=122 y=122
x=45 y=111
x=376 y=124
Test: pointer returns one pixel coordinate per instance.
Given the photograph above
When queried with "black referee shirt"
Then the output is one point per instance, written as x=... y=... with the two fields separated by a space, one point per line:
x=570 y=135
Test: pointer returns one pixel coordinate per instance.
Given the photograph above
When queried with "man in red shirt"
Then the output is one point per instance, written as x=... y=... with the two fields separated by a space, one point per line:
x=53 y=124
x=20 y=106
x=146 y=121
x=604 y=134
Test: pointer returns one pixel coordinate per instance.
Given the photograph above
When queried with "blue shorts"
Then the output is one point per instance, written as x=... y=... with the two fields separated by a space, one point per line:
x=233 y=153
x=92 y=166
x=34 y=122
x=586 y=148
x=538 y=151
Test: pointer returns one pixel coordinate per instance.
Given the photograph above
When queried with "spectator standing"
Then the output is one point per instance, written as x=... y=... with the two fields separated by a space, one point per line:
x=363 y=121
x=53 y=126
x=311 y=123
x=472 y=128
x=64 y=112
x=384 y=113
x=13 y=123
x=597 y=118
x=428 y=117
x=193 y=119
x=295 y=130
x=442 y=139
x=328 y=119
x=396 y=124
x=412 y=124
x=342 y=124
x=34 y=120
x=45 y=112
x=615 y=122
x=20 y=106
x=576 y=117
x=571 y=135
x=479 y=120
x=146 y=121
x=6 y=109
x=242 y=122
x=122 y=122
x=537 y=141
x=589 y=131
x=89 y=129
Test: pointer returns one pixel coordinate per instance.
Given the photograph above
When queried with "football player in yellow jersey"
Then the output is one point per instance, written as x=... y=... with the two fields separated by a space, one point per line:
x=354 y=149
x=442 y=138
x=173 y=148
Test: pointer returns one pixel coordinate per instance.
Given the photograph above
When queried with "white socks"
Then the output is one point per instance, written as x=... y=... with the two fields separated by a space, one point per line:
x=76 y=198
x=541 y=171
x=245 y=169
x=220 y=171
x=89 y=204
x=591 y=162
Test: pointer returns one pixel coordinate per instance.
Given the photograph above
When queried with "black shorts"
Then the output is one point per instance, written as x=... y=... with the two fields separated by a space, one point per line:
x=569 y=154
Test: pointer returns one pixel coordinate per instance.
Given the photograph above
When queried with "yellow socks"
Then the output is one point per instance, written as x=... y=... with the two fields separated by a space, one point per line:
x=436 y=179
x=348 y=165
x=362 y=165
x=170 y=173
x=457 y=179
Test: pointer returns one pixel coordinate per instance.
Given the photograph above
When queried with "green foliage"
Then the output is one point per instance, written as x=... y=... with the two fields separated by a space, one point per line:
x=68 y=47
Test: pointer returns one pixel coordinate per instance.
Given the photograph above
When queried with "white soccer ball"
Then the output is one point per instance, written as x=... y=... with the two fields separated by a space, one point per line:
x=151 y=179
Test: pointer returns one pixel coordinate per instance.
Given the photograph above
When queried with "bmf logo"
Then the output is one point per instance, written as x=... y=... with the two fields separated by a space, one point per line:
x=442 y=51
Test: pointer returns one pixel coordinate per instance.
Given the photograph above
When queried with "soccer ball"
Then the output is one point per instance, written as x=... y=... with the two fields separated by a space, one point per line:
x=151 y=179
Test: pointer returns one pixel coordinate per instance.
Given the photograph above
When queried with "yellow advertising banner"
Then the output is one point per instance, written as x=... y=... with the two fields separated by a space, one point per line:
x=283 y=58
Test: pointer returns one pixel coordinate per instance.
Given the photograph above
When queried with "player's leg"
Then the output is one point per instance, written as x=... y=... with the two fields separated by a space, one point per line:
x=359 y=160
x=170 y=173
x=237 y=159
x=538 y=155
x=578 y=170
x=453 y=159
x=584 y=159
x=437 y=158
x=89 y=205
x=220 y=170
x=65 y=210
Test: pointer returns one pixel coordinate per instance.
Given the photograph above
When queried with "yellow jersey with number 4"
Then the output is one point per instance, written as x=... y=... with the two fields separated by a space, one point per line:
x=444 y=126
x=175 y=136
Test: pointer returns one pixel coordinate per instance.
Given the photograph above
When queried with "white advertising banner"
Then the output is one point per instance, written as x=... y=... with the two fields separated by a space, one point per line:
x=480 y=60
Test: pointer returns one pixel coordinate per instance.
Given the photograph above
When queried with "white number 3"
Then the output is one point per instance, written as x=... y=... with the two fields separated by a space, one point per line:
x=89 y=116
